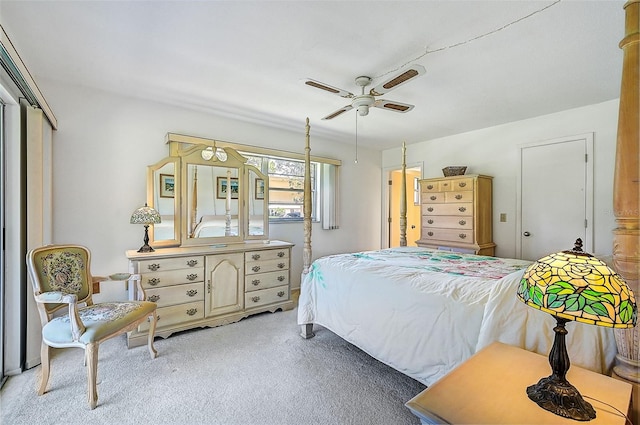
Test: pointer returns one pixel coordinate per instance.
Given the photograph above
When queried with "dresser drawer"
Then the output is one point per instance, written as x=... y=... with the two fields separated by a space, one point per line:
x=254 y=267
x=429 y=187
x=458 y=208
x=458 y=196
x=457 y=185
x=433 y=197
x=176 y=294
x=448 y=222
x=266 y=296
x=450 y=235
x=164 y=264
x=172 y=277
x=266 y=280
x=172 y=315
x=271 y=254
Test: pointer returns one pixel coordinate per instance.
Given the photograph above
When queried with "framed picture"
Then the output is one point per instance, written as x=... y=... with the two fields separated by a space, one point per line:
x=259 y=189
x=167 y=185
x=221 y=192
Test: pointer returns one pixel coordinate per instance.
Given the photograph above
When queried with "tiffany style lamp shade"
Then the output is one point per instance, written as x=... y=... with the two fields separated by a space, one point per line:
x=573 y=285
x=145 y=215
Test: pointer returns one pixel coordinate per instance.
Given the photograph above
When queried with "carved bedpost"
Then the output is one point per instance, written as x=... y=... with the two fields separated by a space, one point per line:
x=626 y=189
x=403 y=198
x=307 y=330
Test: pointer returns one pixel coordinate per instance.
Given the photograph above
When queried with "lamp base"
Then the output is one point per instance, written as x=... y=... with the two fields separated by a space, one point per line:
x=146 y=248
x=560 y=397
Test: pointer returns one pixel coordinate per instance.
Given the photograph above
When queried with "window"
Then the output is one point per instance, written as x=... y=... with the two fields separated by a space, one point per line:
x=286 y=186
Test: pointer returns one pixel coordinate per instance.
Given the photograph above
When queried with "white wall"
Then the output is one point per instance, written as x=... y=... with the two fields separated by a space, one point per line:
x=494 y=151
x=104 y=143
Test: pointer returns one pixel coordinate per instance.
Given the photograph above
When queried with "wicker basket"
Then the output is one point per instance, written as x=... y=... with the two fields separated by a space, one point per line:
x=454 y=170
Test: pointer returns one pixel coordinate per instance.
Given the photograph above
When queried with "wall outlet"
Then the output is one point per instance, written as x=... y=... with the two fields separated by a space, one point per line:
x=503 y=217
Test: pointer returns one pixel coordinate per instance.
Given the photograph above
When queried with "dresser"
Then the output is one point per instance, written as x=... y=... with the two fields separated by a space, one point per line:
x=211 y=285
x=456 y=214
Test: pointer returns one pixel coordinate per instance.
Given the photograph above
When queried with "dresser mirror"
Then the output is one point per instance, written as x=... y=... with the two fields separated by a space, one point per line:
x=217 y=197
x=162 y=182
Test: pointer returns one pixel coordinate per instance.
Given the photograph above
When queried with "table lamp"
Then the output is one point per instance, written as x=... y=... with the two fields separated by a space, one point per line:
x=145 y=215
x=573 y=285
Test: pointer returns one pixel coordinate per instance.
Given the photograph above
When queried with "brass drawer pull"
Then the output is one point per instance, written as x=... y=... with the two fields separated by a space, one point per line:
x=462 y=222
x=153 y=281
x=430 y=209
x=157 y=318
x=255 y=299
x=256 y=256
x=462 y=209
x=430 y=233
x=462 y=235
x=281 y=278
x=192 y=311
x=255 y=282
x=192 y=276
x=192 y=263
x=445 y=184
x=153 y=267
x=153 y=298
x=458 y=196
x=281 y=254
x=429 y=186
x=433 y=198
x=462 y=184
x=255 y=268
x=281 y=265
x=192 y=292
x=281 y=294
x=430 y=221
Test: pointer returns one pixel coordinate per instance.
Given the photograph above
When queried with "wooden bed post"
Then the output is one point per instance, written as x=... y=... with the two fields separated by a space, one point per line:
x=307 y=330
x=626 y=204
x=403 y=198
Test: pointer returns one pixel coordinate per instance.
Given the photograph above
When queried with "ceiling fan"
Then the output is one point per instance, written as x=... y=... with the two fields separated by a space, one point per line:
x=363 y=102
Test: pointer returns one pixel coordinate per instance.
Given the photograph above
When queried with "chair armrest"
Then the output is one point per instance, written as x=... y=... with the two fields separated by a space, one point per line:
x=77 y=327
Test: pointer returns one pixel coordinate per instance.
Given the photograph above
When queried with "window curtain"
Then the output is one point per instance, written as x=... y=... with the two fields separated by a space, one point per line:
x=330 y=176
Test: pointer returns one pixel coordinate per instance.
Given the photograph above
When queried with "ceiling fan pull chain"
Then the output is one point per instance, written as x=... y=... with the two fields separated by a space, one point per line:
x=356 y=161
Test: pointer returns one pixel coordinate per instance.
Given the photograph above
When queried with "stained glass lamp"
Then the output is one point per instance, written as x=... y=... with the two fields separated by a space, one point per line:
x=573 y=285
x=145 y=215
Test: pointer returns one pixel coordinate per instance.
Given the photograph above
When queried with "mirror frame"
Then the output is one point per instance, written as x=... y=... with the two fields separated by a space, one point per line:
x=151 y=185
x=187 y=150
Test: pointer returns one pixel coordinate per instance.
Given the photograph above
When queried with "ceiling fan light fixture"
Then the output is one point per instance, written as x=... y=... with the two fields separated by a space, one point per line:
x=363 y=110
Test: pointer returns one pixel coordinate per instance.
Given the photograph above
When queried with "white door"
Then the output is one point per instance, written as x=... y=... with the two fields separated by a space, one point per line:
x=556 y=196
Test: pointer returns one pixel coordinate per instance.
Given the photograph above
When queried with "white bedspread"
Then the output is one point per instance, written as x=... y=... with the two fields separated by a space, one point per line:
x=423 y=311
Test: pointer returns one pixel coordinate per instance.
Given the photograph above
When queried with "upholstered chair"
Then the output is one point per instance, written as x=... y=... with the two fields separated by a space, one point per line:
x=61 y=277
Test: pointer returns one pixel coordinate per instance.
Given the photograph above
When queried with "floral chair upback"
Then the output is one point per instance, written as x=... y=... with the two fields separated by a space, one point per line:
x=61 y=277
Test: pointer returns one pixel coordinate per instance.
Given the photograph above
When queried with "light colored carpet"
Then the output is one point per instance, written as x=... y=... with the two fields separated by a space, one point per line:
x=257 y=371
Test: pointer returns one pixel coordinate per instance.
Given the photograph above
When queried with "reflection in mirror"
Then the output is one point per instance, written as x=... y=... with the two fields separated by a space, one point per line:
x=161 y=195
x=212 y=200
x=257 y=189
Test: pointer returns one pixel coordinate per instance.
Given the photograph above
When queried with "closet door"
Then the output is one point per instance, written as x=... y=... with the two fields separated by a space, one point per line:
x=556 y=196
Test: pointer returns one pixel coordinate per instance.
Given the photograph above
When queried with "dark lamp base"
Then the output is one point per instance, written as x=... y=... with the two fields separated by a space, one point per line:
x=560 y=397
x=146 y=248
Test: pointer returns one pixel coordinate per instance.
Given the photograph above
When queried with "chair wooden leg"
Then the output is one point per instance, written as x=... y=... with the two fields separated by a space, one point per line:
x=152 y=334
x=44 y=367
x=92 y=373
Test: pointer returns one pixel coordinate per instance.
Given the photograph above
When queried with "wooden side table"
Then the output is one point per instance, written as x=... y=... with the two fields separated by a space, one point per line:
x=490 y=388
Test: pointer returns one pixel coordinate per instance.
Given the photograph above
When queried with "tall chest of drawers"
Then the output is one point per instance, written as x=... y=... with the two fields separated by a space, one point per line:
x=211 y=286
x=456 y=214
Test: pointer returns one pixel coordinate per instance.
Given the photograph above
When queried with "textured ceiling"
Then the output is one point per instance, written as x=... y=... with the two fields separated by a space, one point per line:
x=487 y=62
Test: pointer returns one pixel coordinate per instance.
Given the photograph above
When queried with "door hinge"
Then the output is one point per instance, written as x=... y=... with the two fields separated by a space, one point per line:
x=390 y=182
x=586 y=157
x=586 y=224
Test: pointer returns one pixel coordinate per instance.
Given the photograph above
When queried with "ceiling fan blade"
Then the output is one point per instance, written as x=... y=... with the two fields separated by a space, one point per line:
x=338 y=112
x=330 y=89
x=391 y=105
x=399 y=79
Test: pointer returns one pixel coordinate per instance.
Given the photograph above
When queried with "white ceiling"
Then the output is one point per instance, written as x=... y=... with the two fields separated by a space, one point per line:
x=487 y=62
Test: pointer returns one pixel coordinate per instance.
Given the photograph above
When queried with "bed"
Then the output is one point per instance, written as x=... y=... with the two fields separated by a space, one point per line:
x=425 y=311
x=423 y=320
